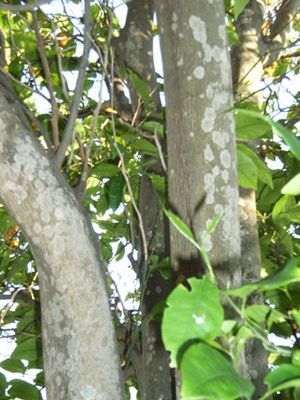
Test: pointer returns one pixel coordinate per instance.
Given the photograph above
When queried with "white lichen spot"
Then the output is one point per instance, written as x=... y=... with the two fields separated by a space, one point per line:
x=209 y=92
x=37 y=228
x=88 y=392
x=158 y=289
x=172 y=171
x=219 y=209
x=189 y=78
x=59 y=213
x=216 y=171
x=174 y=22
x=199 y=72
x=216 y=53
x=199 y=319
x=225 y=158
x=208 y=154
x=180 y=62
x=199 y=54
x=206 y=241
x=222 y=32
x=198 y=28
x=225 y=176
x=201 y=96
x=220 y=139
x=181 y=35
x=192 y=134
x=208 y=121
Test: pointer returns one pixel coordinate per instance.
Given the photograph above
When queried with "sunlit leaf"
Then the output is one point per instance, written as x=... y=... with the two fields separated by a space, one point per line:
x=193 y=314
x=239 y=6
x=208 y=375
x=288 y=274
x=263 y=173
x=247 y=171
x=293 y=186
x=181 y=227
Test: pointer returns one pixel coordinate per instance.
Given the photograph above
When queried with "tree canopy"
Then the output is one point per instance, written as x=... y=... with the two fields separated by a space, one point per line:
x=91 y=133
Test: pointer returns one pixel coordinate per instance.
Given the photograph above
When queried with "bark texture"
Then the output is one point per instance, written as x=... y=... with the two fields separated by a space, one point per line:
x=134 y=49
x=254 y=51
x=78 y=335
x=200 y=135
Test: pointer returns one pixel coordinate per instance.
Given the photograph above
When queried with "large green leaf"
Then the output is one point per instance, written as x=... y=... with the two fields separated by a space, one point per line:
x=27 y=350
x=263 y=173
x=207 y=374
x=13 y=365
x=283 y=377
x=192 y=314
x=289 y=138
x=288 y=274
x=141 y=86
x=284 y=204
x=249 y=127
x=105 y=170
x=23 y=390
x=293 y=186
x=247 y=171
x=239 y=6
x=115 y=191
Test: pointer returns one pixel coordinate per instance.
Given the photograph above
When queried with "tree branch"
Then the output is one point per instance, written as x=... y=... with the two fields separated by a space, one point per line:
x=44 y=60
x=24 y=7
x=68 y=133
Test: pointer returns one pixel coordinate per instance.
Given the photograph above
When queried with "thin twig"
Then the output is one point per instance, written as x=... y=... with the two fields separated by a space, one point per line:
x=44 y=60
x=160 y=152
x=68 y=133
x=125 y=175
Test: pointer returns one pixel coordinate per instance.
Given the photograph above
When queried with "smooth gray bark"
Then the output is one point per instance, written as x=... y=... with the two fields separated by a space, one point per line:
x=200 y=135
x=80 y=356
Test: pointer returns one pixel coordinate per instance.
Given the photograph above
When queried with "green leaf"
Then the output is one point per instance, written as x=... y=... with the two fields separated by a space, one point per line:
x=288 y=274
x=105 y=170
x=181 y=227
x=233 y=37
x=281 y=374
x=280 y=208
x=23 y=390
x=141 y=86
x=293 y=214
x=26 y=350
x=12 y=365
x=239 y=6
x=249 y=127
x=153 y=126
x=3 y=383
x=115 y=191
x=193 y=314
x=247 y=171
x=290 y=139
x=263 y=173
x=243 y=291
x=159 y=185
x=292 y=187
x=207 y=374
x=145 y=147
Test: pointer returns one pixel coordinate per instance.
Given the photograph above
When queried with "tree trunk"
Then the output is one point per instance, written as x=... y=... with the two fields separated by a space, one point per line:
x=134 y=49
x=200 y=135
x=78 y=335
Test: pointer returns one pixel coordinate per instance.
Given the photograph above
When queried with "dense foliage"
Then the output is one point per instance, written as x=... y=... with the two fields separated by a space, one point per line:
x=41 y=59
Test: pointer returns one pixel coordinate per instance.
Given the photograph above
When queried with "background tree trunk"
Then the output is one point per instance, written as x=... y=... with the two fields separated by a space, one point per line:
x=78 y=335
x=134 y=48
